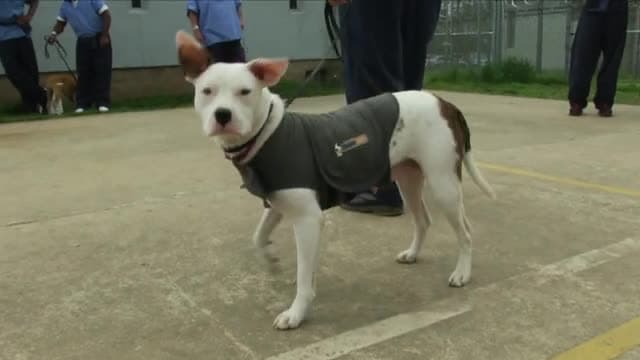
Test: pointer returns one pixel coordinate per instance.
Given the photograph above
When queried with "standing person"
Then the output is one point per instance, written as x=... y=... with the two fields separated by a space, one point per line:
x=17 y=54
x=218 y=25
x=91 y=22
x=602 y=29
x=384 y=49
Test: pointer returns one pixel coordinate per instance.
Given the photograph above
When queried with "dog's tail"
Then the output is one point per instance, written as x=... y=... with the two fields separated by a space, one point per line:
x=476 y=175
x=469 y=162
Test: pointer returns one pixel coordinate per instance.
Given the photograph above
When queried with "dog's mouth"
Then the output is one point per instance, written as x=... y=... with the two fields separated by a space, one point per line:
x=239 y=152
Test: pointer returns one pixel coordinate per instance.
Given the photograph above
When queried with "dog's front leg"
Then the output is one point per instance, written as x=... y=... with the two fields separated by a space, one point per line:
x=302 y=207
x=270 y=219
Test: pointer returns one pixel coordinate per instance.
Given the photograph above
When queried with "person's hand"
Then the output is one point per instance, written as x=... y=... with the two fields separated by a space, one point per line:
x=24 y=19
x=52 y=38
x=337 y=2
x=241 y=24
x=104 y=40
x=198 y=35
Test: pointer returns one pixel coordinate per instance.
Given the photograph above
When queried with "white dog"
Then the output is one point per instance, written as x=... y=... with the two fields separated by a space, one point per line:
x=419 y=135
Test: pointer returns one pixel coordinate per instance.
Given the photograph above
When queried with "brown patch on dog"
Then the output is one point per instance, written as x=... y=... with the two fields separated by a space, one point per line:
x=62 y=85
x=459 y=129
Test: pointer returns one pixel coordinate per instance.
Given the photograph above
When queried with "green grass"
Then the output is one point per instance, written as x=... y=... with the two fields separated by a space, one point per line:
x=516 y=77
x=513 y=77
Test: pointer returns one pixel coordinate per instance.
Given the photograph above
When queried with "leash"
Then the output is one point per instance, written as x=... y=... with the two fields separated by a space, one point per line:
x=334 y=33
x=62 y=53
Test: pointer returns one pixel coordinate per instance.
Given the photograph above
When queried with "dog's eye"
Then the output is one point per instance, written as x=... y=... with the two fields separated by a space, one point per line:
x=206 y=91
x=245 y=91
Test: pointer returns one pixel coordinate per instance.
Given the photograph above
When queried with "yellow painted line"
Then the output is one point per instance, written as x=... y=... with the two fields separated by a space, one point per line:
x=609 y=345
x=561 y=180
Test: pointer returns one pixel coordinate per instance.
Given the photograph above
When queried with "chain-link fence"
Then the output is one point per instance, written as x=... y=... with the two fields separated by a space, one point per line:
x=476 y=32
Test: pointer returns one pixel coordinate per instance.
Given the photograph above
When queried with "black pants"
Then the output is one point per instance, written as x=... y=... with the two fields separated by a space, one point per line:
x=19 y=61
x=227 y=51
x=384 y=44
x=598 y=33
x=93 y=63
x=384 y=49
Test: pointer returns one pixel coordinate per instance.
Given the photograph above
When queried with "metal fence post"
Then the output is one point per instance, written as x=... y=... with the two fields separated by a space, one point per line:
x=567 y=37
x=540 y=36
x=636 y=58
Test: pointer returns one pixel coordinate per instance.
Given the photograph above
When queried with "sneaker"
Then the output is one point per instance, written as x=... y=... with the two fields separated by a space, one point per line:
x=370 y=204
x=103 y=109
x=604 y=110
x=575 y=110
x=79 y=110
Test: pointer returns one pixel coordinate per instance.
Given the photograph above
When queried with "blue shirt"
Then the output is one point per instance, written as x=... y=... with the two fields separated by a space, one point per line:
x=218 y=19
x=84 y=16
x=9 y=10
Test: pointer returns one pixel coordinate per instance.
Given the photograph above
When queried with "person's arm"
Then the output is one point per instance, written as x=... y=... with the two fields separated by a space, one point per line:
x=194 y=19
x=103 y=10
x=105 y=39
x=26 y=19
x=58 y=27
x=240 y=15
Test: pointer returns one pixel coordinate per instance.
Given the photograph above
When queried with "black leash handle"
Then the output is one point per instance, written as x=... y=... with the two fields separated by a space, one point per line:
x=333 y=30
x=62 y=53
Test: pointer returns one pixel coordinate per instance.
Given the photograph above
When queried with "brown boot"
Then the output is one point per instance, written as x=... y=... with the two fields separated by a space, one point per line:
x=604 y=110
x=575 y=110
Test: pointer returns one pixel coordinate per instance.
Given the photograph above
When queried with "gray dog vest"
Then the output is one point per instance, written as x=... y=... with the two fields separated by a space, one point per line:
x=336 y=154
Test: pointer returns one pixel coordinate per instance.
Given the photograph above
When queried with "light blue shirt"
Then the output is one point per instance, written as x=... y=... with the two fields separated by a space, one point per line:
x=9 y=10
x=84 y=16
x=219 y=20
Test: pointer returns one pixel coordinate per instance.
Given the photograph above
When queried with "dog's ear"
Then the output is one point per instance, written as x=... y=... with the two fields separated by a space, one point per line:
x=193 y=57
x=268 y=71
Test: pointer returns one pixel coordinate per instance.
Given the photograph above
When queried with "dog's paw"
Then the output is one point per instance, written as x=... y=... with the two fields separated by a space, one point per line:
x=406 y=257
x=288 y=320
x=263 y=250
x=460 y=276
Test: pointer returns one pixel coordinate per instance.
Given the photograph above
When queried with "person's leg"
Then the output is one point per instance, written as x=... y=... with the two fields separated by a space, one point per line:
x=372 y=53
x=38 y=95
x=102 y=63
x=13 y=70
x=19 y=73
x=420 y=22
x=84 y=66
x=371 y=39
x=615 y=36
x=227 y=52
x=585 y=51
x=236 y=52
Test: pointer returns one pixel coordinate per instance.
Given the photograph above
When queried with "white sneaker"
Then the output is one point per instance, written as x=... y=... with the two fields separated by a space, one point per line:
x=79 y=110
x=103 y=109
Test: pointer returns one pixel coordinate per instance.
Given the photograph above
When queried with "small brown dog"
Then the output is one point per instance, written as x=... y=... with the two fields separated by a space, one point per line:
x=59 y=87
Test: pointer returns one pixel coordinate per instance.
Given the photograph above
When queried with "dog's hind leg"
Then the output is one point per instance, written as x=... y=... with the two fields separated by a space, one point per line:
x=270 y=219
x=410 y=180
x=447 y=191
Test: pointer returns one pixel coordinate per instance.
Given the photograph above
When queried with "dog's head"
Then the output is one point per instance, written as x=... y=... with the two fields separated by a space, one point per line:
x=231 y=99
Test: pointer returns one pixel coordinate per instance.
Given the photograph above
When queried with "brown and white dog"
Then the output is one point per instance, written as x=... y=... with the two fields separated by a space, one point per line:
x=59 y=87
x=431 y=142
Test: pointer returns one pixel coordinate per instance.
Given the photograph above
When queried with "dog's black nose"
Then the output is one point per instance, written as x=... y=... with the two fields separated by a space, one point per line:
x=223 y=116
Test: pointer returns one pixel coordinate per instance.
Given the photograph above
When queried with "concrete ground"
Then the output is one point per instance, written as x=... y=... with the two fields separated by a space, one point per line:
x=126 y=236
